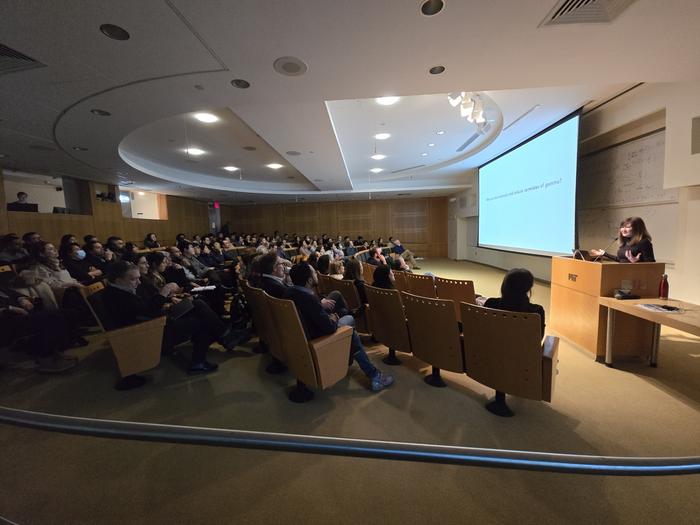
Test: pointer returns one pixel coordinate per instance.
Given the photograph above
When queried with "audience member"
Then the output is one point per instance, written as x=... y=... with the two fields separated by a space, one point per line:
x=317 y=323
x=12 y=251
x=516 y=290
x=353 y=272
x=273 y=275
x=383 y=278
x=151 y=241
x=406 y=254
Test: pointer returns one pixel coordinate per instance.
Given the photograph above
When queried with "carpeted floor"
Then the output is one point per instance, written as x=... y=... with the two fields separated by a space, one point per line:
x=632 y=410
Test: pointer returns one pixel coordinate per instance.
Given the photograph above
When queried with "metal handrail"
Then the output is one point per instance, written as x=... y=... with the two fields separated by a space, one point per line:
x=466 y=456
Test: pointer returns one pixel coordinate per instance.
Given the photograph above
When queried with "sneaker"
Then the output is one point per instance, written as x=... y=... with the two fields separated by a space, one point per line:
x=381 y=381
x=54 y=364
x=202 y=368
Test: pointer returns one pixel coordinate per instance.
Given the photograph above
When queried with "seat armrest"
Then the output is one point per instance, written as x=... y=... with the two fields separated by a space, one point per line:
x=330 y=355
x=550 y=347
x=550 y=358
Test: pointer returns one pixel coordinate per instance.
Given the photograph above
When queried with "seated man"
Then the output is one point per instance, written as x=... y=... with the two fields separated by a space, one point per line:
x=406 y=254
x=97 y=256
x=125 y=308
x=273 y=273
x=375 y=257
x=317 y=323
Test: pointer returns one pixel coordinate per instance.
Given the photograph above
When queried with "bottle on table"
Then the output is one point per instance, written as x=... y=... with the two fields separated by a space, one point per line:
x=663 y=287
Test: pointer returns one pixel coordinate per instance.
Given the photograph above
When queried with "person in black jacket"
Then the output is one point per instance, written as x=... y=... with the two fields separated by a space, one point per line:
x=634 y=243
x=317 y=323
x=515 y=294
x=383 y=278
x=272 y=278
x=151 y=241
x=126 y=308
x=75 y=261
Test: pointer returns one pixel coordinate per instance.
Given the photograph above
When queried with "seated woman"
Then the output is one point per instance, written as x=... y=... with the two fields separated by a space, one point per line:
x=151 y=241
x=353 y=272
x=336 y=270
x=383 y=278
x=323 y=264
x=515 y=294
x=45 y=267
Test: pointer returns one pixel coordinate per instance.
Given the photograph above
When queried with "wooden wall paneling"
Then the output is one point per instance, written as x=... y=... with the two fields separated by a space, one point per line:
x=50 y=226
x=3 y=212
x=328 y=219
x=354 y=218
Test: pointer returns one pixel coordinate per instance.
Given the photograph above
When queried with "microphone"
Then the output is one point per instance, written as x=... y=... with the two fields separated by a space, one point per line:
x=605 y=249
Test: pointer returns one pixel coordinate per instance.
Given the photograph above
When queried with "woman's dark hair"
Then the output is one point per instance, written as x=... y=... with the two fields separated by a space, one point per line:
x=312 y=259
x=516 y=287
x=130 y=247
x=65 y=250
x=353 y=270
x=323 y=264
x=382 y=279
x=67 y=239
x=639 y=230
x=154 y=260
x=301 y=273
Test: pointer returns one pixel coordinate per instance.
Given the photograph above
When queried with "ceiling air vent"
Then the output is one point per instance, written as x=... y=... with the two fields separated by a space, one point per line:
x=467 y=142
x=12 y=61
x=585 y=11
x=409 y=168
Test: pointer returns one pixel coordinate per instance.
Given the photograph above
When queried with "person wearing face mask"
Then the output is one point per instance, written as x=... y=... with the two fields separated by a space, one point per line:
x=634 y=243
x=78 y=267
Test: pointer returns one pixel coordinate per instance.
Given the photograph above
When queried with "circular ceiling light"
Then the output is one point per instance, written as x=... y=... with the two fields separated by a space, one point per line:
x=432 y=7
x=386 y=101
x=376 y=170
x=318 y=180
x=290 y=177
x=240 y=83
x=275 y=166
x=249 y=148
x=115 y=32
x=436 y=70
x=431 y=145
x=100 y=112
x=199 y=87
x=423 y=154
x=290 y=66
x=382 y=136
x=441 y=132
x=194 y=151
x=230 y=168
x=79 y=148
x=293 y=153
x=207 y=118
x=378 y=156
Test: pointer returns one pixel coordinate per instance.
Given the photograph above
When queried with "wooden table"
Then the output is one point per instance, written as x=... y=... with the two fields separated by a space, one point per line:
x=688 y=320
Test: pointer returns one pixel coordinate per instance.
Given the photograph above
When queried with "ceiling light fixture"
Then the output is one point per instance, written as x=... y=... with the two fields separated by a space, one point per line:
x=440 y=132
x=207 y=118
x=230 y=168
x=79 y=148
x=100 y=112
x=378 y=156
x=240 y=83
x=432 y=144
x=423 y=154
x=432 y=7
x=386 y=101
x=376 y=170
x=436 y=70
x=471 y=107
x=382 y=136
x=115 y=32
x=275 y=166
x=194 y=151
x=141 y=193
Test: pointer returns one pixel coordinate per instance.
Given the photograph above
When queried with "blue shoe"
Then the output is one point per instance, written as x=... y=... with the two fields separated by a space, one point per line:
x=381 y=381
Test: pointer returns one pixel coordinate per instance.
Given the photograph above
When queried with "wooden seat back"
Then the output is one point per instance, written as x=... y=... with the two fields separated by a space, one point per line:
x=137 y=347
x=319 y=363
x=388 y=319
x=457 y=291
x=435 y=337
x=423 y=285
x=368 y=272
x=262 y=319
x=325 y=284
x=401 y=281
x=359 y=311
x=504 y=351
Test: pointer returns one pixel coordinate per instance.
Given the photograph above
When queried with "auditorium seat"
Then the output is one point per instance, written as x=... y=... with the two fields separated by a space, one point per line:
x=316 y=364
x=388 y=321
x=504 y=351
x=423 y=285
x=401 y=281
x=264 y=325
x=435 y=337
x=352 y=298
x=457 y=291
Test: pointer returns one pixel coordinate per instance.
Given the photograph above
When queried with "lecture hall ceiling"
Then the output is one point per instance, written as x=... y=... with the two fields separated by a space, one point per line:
x=318 y=120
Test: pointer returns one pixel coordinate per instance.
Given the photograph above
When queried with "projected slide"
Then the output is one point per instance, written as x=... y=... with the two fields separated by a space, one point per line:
x=527 y=197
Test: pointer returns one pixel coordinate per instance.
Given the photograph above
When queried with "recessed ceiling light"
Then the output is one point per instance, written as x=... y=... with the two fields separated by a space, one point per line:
x=293 y=153
x=141 y=193
x=230 y=168
x=440 y=132
x=318 y=180
x=206 y=117
x=100 y=112
x=115 y=32
x=194 y=151
x=378 y=156
x=79 y=148
x=436 y=70
x=376 y=170
x=249 y=148
x=386 y=101
x=431 y=144
x=432 y=7
x=240 y=83
x=290 y=177
x=382 y=136
x=275 y=166
x=423 y=154
x=290 y=66
x=199 y=87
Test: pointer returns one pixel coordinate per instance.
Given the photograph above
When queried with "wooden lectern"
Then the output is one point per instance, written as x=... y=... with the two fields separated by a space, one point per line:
x=576 y=315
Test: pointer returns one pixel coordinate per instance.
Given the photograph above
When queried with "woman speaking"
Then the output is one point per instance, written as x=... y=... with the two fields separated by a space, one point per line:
x=635 y=243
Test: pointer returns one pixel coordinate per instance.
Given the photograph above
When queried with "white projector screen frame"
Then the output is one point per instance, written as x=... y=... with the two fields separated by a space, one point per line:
x=527 y=195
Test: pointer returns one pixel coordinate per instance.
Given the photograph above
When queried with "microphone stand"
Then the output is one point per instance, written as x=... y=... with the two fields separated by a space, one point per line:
x=605 y=250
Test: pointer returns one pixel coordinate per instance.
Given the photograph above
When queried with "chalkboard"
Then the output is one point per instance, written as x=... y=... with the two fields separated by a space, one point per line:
x=625 y=181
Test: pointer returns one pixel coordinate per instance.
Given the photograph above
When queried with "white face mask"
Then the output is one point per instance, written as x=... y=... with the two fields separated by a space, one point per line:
x=80 y=255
